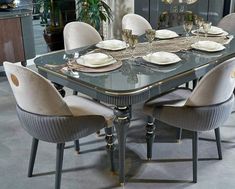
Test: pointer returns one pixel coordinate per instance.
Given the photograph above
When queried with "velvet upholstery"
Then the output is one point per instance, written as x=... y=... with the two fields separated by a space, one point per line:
x=46 y=116
x=228 y=23
x=79 y=34
x=136 y=23
x=205 y=108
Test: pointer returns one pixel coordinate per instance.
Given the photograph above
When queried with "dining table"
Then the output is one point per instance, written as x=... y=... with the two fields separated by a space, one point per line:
x=136 y=80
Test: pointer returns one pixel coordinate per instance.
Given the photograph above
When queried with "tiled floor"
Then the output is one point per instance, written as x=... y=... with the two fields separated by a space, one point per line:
x=170 y=167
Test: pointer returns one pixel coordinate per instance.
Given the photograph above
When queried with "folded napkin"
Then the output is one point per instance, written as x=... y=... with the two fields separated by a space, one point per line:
x=208 y=45
x=162 y=58
x=94 y=59
x=164 y=34
x=112 y=44
x=213 y=30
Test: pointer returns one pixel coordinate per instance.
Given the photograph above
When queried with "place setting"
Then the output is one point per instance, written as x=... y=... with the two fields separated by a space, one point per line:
x=94 y=62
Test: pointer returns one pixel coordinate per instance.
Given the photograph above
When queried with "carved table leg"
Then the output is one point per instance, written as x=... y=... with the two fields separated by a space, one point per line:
x=150 y=136
x=121 y=123
x=110 y=146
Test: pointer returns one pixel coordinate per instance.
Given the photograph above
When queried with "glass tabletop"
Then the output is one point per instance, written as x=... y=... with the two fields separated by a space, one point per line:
x=139 y=74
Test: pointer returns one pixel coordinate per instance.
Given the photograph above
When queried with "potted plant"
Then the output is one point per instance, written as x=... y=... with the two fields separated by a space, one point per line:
x=94 y=12
x=54 y=15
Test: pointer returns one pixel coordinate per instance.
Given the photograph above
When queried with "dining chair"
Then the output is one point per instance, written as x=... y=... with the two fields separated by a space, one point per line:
x=207 y=107
x=79 y=34
x=46 y=116
x=227 y=23
x=136 y=23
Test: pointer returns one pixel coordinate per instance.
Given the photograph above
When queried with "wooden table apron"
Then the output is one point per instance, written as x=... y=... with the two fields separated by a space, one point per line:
x=124 y=99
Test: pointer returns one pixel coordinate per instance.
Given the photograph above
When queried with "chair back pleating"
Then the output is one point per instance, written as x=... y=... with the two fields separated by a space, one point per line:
x=215 y=87
x=80 y=34
x=34 y=93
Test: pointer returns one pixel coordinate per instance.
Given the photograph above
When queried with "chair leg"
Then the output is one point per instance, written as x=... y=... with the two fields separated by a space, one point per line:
x=77 y=146
x=179 y=134
x=150 y=136
x=218 y=143
x=34 y=148
x=59 y=164
x=195 y=155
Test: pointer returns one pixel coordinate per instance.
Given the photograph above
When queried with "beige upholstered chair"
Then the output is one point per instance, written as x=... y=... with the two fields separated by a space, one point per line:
x=228 y=23
x=80 y=34
x=136 y=23
x=46 y=116
x=205 y=108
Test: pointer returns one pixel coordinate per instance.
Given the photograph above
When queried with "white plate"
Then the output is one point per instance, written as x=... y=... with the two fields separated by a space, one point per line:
x=96 y=60
x=209 y=46
x=213 y=30
x=112 y=45
x=165 y=34
x=162 y=58
x=194 y=32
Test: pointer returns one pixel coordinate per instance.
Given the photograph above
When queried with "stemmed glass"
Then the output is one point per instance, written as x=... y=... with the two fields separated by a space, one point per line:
x=198 y=22
x=69 y=57
x=188 y=25
x=206 y=27
x=150 y=35
x=126 y=33
x=133 y=40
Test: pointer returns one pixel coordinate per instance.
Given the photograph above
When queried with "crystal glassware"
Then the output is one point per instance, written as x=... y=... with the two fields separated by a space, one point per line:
x=133 y=40
x=188 y=25
x=126 y=33
x=198 y=22
x=206 y=27
x=150 y=35
x=69 y=57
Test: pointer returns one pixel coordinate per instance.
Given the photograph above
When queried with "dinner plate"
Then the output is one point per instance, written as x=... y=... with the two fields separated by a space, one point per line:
x=213 y=30
x=162 y=58
x=208 y=46
x=194 y=32
x=96 y=60
x=165 y=34
x=112 y=45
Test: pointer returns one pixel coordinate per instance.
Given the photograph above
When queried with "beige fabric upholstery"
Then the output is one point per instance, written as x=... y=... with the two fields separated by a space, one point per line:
x=136 y=23
x=34 y=93
x=81 y=106
x=228 y=23
x=176 y=98
x=80 y=34
x=216 y=87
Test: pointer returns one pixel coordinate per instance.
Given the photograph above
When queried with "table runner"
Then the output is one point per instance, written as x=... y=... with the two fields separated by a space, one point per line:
x=169 y=45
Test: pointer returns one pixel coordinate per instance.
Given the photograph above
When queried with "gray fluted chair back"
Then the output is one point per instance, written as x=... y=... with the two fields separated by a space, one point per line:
x=79 y=34
x=136 y=23
x=228 y=23
x=207 y=107
x=46 y=116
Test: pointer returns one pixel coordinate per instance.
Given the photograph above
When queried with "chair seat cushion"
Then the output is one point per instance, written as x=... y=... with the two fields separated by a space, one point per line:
x=176 y=98
x=79 y=105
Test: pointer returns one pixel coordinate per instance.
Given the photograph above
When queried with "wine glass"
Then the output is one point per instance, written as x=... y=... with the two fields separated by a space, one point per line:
x=198 y=22
x=70 y=57
x=126 y=33
x=150 y=35
x=206 y=27
x=188 y=25
x=133 y=40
